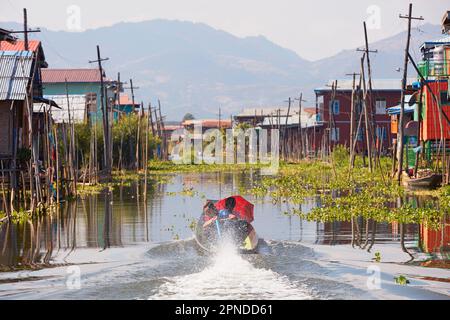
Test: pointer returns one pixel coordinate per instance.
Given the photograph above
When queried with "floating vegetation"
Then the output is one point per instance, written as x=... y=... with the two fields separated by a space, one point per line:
x=401 y=280
x=377 y=257
x=343 y=193
x=187 y=191
x=193 y=225
x=168 y=167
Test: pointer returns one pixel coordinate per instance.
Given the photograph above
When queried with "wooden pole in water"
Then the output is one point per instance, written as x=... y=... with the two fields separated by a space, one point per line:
x=370 y=107
x=352 y=114
x=366 y=116
x=146 y=155
x=419 y=118
x=138 y=127
x=57 y=165
x=299 y=128
x=4 y=196
x=71 y=144
x=163 y=136
x=285 y=138
x=105 y=117
x=158 y=128
x=402 y=102
x=152 y=126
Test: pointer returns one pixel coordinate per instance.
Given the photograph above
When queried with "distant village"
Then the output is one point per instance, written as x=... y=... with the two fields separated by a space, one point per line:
x=63 y=127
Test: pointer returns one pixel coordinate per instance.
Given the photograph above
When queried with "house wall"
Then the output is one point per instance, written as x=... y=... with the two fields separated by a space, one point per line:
x=6 y=133
x=75 y=89
x=431 y=129
x=12 y=124
x=342 y=119
x=125 y=108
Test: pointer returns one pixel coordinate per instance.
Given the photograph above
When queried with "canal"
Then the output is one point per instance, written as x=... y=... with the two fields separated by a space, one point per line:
x=120 y=245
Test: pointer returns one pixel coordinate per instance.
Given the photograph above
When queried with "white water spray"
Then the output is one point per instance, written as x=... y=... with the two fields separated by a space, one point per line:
x=230 y=276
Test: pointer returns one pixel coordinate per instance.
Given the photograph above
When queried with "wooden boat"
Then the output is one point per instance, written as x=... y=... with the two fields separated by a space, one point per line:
x=427 y=180
x=240 y=232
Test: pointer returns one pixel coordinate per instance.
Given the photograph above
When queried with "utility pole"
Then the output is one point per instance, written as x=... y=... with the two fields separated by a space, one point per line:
x=25 y=30
x=368 y=95
x=106 y=145
x=402 y=102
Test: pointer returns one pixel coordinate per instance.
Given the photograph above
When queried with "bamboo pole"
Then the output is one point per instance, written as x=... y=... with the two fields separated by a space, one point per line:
x=57 y=165
x=146 y=156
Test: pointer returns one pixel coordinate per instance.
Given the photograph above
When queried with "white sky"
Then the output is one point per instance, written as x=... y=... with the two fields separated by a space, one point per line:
x=314 y=28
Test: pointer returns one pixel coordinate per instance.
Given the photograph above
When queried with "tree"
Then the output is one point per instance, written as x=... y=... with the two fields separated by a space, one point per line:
x=188 y=116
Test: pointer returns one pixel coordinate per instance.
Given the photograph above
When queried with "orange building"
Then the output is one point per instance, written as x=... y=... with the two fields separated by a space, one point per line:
x=431 y=128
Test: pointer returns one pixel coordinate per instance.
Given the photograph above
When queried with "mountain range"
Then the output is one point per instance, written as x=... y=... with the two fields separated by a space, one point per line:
x=192 y=67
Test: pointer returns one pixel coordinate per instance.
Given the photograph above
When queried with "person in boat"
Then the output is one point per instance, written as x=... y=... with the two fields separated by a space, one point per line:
x=210 y=213
x=227 y=213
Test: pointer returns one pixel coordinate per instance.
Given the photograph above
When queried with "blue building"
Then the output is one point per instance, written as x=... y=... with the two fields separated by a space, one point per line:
x=80 y=82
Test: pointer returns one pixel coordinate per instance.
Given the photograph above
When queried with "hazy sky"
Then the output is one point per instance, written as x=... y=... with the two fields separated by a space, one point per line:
x=313 y=28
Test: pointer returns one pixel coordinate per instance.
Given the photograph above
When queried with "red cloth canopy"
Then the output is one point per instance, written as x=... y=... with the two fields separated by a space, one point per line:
x=243 y=208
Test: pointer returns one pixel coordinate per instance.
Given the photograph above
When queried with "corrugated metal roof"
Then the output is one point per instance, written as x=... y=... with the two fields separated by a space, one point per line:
x=262 y=111
x=172 y=127
x=273 y=111
x=15 y=74
x=19 y=45
x=72 y=75
x=377 y=84
x=209 y=123
x=307 y=120
x=407 y=108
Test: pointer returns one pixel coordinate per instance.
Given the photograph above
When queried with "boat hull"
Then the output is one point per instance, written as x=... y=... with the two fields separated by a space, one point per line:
x=429 y=182
x=239 y=232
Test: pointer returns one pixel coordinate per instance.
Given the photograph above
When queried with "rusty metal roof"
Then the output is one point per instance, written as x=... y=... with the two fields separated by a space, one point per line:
x=15 y=74
x=208 y=123
x=19 y=45
x=72 y=75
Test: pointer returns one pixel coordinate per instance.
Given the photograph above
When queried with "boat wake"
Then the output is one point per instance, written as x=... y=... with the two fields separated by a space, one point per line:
x=229 y=276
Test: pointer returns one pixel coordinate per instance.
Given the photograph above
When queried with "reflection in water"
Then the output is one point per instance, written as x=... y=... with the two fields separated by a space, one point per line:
x=124 y=217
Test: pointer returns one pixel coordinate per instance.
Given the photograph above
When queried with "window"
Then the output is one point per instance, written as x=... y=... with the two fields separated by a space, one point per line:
x=319 y=106
x=335 y=106
x=381 y=133
x=380 y=106
x=360 y=135
x=444 y=98
x=335 y=134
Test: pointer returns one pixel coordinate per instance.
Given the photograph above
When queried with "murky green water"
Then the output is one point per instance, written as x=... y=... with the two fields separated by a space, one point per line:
x=128 y=247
